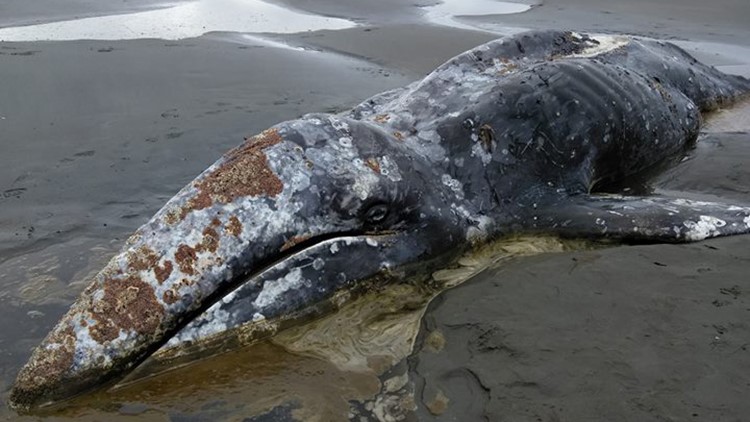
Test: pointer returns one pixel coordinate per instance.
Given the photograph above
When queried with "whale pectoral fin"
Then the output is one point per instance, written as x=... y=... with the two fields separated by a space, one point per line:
x=643 y=219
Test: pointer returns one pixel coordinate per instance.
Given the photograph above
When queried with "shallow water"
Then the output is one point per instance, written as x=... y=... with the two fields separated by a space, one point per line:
x=185 y=20
x=449 y=12
x=195 y=18
x=318 y=371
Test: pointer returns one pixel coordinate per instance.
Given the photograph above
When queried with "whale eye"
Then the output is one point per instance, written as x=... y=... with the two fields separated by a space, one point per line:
x=376 y=214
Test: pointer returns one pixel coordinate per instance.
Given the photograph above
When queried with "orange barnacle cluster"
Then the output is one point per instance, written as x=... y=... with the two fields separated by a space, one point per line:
x=373 y=164
x=52 y=362
x=234 y=226
x=294 y=241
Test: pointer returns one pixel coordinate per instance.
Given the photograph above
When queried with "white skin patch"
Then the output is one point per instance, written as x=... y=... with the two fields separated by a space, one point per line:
x=706 y=227
x=454 y=185
x=365 y=180
x=478 y=150
x=217 y=323
x=273 y=290
x=747 y=221
x=606 y=43
x=389 y=169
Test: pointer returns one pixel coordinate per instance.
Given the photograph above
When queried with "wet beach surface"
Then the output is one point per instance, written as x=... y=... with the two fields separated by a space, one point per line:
x=96 y=135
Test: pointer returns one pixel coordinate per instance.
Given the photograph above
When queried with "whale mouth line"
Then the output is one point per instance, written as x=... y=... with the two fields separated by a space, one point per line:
x=286 y=254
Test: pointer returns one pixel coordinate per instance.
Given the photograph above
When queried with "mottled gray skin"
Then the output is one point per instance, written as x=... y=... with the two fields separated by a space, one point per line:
x=516 y=136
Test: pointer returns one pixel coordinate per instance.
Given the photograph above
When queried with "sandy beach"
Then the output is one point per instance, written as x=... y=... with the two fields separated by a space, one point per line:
x=96 y=135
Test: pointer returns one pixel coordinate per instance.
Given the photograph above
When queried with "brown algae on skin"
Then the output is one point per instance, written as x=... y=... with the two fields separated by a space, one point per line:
x=382 y=118
x=162 y=273
x=210 y=240
x=234 y=226
x=373 y=164
x=186 y=257
x=294 y=241
x=244 y=172
x=52 y=362
x=128 y=304
x=486 y=137
x=142 y=259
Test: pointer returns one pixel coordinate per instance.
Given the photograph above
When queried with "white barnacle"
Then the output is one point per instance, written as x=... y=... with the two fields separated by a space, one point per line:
x=339 y=125
x=707 y=226
x=454 y=185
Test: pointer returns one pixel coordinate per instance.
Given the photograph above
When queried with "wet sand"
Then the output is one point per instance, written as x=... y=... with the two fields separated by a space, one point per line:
x=96 y=135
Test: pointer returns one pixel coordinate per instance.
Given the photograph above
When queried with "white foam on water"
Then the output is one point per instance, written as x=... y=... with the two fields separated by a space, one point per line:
x=186 y=20
x=447 y=12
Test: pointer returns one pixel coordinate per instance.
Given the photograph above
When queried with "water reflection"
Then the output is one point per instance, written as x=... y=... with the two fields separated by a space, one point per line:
x=178 y=22
x=347 y=364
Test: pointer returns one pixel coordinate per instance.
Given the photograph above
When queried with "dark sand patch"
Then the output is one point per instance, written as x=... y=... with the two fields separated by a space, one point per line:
x=628 y=333
x=413 y=48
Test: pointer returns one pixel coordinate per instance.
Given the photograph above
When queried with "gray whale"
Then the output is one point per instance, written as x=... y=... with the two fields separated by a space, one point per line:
x=546 y=132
